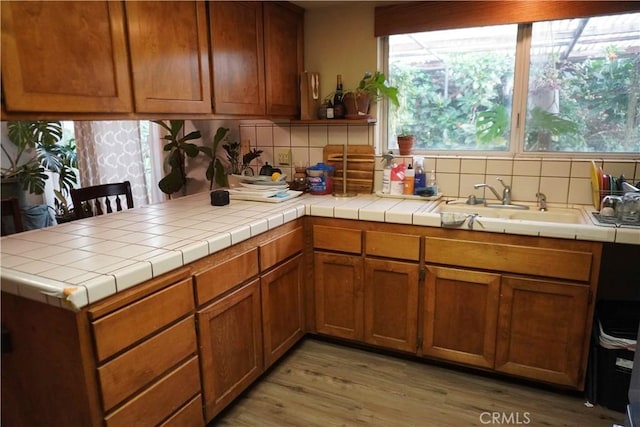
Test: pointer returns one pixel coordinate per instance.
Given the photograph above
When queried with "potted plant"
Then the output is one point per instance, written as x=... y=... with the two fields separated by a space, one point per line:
x=240 y=167
x=405 y=143
x=42 y=137
x=372 y=88
x=179 y=149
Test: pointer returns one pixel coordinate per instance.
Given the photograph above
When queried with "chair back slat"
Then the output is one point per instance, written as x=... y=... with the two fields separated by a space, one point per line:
x=100 y=194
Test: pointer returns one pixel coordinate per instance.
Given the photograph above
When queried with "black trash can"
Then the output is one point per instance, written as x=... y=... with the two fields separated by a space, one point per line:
x=615 y=334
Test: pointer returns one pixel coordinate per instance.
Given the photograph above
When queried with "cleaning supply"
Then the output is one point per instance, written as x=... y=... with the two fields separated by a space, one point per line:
x=320 y=179
x=387 y=159
x=409 y=178
x=420 y=179
x=432 y=183
x=397 y=179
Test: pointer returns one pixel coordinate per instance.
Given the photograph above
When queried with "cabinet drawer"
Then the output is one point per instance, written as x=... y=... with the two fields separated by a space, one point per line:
x=160 y=400
x=131 y=371
x=559 y=263
x=392 y=245
x=132 y=323
x=221 y=278
x=281 y=248
x=337 y=239
x=190 y=415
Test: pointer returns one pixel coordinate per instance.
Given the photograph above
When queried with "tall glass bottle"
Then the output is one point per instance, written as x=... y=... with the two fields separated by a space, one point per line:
x=338 y=106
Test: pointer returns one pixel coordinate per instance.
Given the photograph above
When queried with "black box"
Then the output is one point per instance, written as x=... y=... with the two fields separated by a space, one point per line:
x=619 y=319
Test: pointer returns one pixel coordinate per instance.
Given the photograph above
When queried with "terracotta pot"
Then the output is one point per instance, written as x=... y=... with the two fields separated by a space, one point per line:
x=405 y=144
x=357 y=105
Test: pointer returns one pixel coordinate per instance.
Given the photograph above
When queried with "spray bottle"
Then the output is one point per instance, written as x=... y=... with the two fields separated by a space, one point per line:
x=387 y=159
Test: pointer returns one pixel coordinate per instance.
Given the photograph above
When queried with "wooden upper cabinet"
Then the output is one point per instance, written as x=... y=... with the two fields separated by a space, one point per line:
x=65 y=57
x=256 y=70
x=169 y=56
x=237 y=57
x=283 y=52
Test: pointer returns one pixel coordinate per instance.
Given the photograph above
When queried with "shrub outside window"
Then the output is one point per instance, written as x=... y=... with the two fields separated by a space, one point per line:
x=578 y=89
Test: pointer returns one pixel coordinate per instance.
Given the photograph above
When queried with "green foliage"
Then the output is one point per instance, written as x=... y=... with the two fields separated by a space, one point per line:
x=179 y=149
x=216 y=171
x=375 y=85
x=466 y=106
x=492 y=124
x=238 y=166
x=441 y=106
x=50 y=156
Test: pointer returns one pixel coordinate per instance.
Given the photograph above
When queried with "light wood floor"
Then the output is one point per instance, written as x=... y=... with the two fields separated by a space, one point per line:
x=324 y=384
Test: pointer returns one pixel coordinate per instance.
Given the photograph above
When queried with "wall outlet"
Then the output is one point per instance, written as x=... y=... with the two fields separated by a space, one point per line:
x=283 y=156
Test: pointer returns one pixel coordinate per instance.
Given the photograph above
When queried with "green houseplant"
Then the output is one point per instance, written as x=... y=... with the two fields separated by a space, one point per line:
x=218 y=159
x=238 y=165
x=370 y=89
x=179 y=149
x=41 y=140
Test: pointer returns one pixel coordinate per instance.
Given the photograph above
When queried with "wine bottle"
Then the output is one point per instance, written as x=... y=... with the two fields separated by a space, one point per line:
x=338 y=106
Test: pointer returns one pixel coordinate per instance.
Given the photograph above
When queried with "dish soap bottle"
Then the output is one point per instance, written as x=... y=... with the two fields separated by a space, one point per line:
x=432 y=184
x=386 y=172
x=409 y=178
x=420 y=179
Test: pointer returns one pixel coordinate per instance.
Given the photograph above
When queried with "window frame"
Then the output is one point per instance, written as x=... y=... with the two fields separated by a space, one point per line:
x=519 y=103
x=427 y=16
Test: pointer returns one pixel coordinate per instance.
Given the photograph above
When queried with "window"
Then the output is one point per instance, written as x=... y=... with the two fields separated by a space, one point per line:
x=555 y=86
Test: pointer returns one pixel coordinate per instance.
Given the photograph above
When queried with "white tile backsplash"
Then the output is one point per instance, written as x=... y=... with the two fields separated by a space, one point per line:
x=566 y=180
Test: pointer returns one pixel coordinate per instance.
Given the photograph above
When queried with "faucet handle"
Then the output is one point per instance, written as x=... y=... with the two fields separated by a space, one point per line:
x=502 y=182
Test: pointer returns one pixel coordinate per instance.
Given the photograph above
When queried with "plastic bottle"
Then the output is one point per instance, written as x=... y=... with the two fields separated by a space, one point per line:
x=397 y=179
x=420 y=180
x=409 y=178
x=432 y=183
x=386 y=172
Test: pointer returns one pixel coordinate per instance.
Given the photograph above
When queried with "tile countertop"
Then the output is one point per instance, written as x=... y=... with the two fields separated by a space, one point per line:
x=78 y=263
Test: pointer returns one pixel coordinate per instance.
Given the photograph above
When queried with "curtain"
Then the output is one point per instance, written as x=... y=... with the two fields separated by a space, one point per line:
x=110 y=151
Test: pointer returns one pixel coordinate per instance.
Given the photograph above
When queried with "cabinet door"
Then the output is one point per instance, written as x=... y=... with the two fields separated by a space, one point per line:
x=169 y=56
x=542 y=330
x=282 y=316
x=461 y=311
x=339 y=298
x=237 y=57
x=230 y=334
x=65 y=57
x=391 y=304
x=283 y=28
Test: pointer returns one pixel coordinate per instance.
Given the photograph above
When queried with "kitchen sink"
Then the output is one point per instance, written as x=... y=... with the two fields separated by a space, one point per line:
x=552 y=214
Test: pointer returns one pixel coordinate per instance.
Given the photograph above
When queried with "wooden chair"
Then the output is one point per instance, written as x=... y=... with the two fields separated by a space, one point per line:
x=89 y=201
x=11 y=208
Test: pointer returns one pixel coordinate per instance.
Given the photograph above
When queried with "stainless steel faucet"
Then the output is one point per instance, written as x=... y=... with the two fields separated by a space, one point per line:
x=542 y=201
x=505 y=199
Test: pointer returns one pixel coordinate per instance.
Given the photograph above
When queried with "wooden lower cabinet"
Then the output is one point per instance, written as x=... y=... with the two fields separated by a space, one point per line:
x=391 y=304
x=230 y=336
x=460 y=315
x=541 y=330
x=282 y=309
x=339 y=295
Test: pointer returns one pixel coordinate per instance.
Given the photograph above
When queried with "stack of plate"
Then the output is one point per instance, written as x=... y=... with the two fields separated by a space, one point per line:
x=262 y=188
